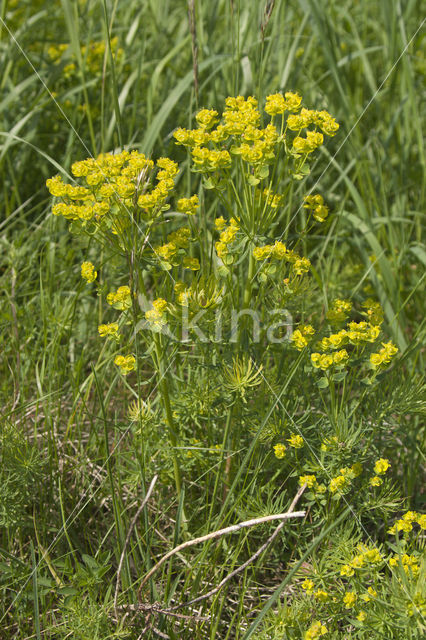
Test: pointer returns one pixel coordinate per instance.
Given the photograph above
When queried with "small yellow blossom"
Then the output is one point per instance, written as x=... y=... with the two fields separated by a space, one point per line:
x=88 y=272
x=121 y=299
x=308 y=585
x=296 y=441
x=381 y=466
x=349 y=599
x=191 y=263
x=188 y=205
x=321 y=595
x=310 y=481
x=220 y=223
x=279 y=450
x=338 y=483
x=315 y=631
x=108 y=329
x=361 y=616
x=347 y=570
x=125 y=363
x=376 y=481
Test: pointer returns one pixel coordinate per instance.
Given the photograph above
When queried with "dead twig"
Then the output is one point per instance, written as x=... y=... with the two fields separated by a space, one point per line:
x=254 y=557
x=217 y=534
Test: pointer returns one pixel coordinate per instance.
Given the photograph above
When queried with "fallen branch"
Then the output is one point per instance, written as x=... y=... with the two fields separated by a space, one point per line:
x=221 y=532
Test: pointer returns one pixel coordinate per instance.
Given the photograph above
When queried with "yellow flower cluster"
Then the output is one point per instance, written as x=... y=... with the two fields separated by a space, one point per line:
x=366 y=557
x=381 y=465
x=255 y=146
x=277 y=104
x=278 y=251
x=339 y=310
x=326 y=361
x=93 y=55
x=313 y=140
x=191 y=263
x=349 y=599
x=315 y=631
x=207 y=118
x=268 y=197
x=207 y=160
x=125 y=363
x=279 y=450
x=110 y=329
x=307 y=117
x=295 y=441
x=227 y=237
x=405 y=523
x=156 y=315
x=321 y=595
x=188 y=205
x=181 y=291
x=88 y=272
x=359 y=332
x=302 y=336
x=334 y=341
x=371 y=593
x=120 y=299
x=308 y=585
x=124 y=179
x=171 y=251
x=262 y=149
x=409 y=563
x=384 y=356
x=310 y=481
x=315 y=204
x=374 y=312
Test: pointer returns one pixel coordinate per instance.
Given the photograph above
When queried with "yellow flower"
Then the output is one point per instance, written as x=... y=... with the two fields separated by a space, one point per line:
x=340 y=357
x=125 y=363
x=88 y=272
x=381 y=466
x=338 y=483
x=262 y=253
x=349 y=599
x=275 y=104
x=191 y=263
x=347 y=571
x=315 y=631
x=207 y=118
x=356 y=469
x=361 y=616
x=308 y=585
x=220 y=223
x=322 y=596
x=188 y=205
x=156 y=315
x=279 y=450
x=421 y=520
x=308 y=480
x=295 y=441
x=293 y=101
x=376 y=481
x=108 y=329
x=120 y=299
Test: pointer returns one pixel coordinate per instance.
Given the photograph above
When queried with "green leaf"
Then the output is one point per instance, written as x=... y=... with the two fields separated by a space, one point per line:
x=253 y=182
x=323 y=383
